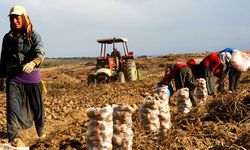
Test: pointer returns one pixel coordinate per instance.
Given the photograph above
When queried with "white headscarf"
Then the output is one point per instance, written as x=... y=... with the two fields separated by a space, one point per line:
x=225 y=57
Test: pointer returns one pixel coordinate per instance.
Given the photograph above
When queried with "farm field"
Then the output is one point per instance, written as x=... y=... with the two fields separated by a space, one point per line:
x=223 y=122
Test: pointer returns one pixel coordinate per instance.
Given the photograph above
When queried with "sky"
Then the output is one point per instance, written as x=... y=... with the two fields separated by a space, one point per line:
x=70 y=28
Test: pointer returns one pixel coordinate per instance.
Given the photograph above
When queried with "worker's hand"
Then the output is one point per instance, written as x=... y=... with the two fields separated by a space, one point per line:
x=27 y=68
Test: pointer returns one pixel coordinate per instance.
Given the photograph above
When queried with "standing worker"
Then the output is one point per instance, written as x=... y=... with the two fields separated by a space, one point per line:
x=21 y=56
x=117 y=55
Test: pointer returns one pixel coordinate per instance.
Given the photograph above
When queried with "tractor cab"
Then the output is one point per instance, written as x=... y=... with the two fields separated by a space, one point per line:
x=113 y=62
x=114 y=51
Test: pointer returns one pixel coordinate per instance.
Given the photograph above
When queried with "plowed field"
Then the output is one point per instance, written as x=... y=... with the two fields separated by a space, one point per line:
x=222 y=123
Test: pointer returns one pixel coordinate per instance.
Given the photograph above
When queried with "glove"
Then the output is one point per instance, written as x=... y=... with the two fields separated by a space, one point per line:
x=27 y=68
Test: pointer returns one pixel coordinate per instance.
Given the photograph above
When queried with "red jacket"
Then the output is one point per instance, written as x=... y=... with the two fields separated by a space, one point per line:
x=212 y=61
x=194 y=65
x=171 y=70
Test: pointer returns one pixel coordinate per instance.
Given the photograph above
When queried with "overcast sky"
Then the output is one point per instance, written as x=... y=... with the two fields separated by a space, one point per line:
x=70 y=28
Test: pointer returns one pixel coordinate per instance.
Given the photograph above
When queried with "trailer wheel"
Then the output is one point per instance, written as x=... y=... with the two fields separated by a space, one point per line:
x=91 y=79
x=121 y=77
x=102 y=78
x=139 y=74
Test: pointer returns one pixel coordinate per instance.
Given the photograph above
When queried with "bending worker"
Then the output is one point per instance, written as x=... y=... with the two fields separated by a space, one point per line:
x=210 y=66
x=234 y=74
x=183 y=77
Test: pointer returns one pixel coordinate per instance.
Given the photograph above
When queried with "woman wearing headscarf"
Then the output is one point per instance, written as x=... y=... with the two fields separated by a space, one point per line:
x=193 y=63
x=183 y=78
x=234 y=74
x=212 y=65
x=21 y=56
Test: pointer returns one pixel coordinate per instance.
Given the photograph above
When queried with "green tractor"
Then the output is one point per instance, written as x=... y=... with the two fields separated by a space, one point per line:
x=114 y=67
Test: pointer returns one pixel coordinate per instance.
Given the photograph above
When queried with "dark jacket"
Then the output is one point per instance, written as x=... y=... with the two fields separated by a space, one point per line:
x=16 y=52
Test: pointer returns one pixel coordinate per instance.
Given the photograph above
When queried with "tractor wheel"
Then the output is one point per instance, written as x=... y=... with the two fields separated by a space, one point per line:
x=121 y=77
x=130 y=70
x=102 y=78
x=91 y=79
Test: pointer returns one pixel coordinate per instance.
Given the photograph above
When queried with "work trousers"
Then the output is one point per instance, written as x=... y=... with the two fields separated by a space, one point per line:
x=24 y=105
x=234 y=79
x=184 y=79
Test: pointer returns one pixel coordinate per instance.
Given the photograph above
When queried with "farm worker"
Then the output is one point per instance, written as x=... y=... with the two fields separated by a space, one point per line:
x=194 y=65
x=21 y=56
x=115 y=53
x=212 y=65
x=234 y=74
x=183 y=77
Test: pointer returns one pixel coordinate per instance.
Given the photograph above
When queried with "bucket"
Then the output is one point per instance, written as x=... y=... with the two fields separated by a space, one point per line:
x=165 y=91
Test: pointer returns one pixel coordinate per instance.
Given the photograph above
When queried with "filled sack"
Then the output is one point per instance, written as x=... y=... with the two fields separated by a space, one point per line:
x=240 y=60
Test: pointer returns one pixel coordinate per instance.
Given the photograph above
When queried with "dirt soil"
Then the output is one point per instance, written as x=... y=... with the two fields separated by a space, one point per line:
x=222 y=123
